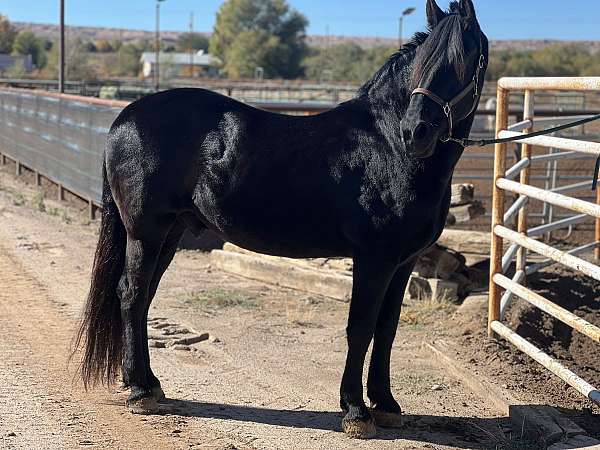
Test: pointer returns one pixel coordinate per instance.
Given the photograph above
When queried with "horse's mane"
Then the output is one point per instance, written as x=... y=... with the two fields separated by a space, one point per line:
x=446 y=46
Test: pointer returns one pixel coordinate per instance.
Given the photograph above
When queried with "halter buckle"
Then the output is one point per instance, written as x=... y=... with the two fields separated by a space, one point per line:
x=447 y=109
x=481 y=61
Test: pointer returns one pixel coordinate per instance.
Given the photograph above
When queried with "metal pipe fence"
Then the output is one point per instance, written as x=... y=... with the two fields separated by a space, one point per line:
x=523 y=239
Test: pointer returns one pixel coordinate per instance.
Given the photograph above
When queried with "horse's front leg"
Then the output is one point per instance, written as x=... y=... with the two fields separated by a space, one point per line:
x=371 y=277
x=384 y=407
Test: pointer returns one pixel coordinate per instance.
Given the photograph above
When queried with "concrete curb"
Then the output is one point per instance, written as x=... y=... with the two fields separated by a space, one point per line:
x=540 y=422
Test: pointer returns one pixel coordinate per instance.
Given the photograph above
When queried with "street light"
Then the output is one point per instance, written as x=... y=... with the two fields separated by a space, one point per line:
x=157 y=47
x=61 y=50
x=406 y=12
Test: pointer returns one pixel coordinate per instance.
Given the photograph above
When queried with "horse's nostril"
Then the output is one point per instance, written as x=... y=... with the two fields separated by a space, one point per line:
x=421 y=131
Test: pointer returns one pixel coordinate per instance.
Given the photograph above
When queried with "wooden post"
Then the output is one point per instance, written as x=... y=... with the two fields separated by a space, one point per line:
x=497 y=209
x=38 y=178
x=61 y=192
x=528 y=109
x=91 y=210
x=17 y=168
x=3 y=159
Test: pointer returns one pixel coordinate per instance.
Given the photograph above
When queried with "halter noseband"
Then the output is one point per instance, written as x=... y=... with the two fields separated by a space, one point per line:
x=448 y=107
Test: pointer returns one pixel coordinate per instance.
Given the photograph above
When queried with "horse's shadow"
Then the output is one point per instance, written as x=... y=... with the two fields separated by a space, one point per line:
x=475 y=433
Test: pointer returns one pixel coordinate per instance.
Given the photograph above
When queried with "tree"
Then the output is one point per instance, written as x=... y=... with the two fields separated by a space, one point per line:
x=126 y=61
x=7 y=35
x=103 y=46
x=265 y=33
x=77 y=66
x=26 y=43
x=345 y=62
x=192 y=41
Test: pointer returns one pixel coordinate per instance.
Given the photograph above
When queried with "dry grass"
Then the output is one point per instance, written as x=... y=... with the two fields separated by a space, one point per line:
x=219 y=298
x=426 y=310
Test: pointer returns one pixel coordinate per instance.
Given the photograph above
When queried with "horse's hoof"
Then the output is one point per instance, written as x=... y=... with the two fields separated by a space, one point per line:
x=359 y=429
x=387 y=419
x=143 y=406
x=158 y=394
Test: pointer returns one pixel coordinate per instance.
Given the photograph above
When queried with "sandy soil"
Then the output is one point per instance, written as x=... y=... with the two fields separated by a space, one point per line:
x=268 y=377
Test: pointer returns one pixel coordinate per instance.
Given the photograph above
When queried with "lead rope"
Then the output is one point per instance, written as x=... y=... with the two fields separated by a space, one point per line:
x=485 y=142
x=596 y=173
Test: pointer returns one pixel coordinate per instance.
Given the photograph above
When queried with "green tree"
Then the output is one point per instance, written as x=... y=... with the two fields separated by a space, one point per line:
x=126 y=61
x=192 y=41
x=77 y=65
x=26 y=43
x=7 y=35
x=345 y=62
x=266 y=33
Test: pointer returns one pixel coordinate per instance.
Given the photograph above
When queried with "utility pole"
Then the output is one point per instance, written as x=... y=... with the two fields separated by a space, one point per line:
x=61 y=50
x=407 y=12
x=157 y=48
x=191 y=44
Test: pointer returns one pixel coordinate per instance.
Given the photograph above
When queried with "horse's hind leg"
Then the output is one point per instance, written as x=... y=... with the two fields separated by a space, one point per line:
x=371 y=279
x=384 y=407
x=141 y=260
x=167 y=253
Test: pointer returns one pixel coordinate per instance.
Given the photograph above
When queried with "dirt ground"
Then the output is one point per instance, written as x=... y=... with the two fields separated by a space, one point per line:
x=521 y=376
x=267 y=378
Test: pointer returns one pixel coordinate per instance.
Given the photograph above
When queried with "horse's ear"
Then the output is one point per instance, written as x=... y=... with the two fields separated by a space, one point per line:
x=434 y=13
x=467 y=9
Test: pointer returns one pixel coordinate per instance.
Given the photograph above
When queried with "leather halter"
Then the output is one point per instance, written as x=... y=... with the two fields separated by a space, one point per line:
x=448 y=106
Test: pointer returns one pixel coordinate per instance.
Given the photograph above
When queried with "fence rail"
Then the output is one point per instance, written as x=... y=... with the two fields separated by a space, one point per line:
x=524 y=238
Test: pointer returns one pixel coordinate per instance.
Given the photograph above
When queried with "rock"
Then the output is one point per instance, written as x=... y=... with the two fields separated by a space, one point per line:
x=462 y=194
x=473 y=307
x=443 y=289
x=11 y=434
x=183 y=348
x=418 y=288
x=156 y=344
x=215 y=340
x=192 y=339
x=437 y=387
x=175 y=330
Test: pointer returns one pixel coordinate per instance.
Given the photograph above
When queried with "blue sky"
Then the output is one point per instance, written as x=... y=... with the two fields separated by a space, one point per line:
x=501 y=19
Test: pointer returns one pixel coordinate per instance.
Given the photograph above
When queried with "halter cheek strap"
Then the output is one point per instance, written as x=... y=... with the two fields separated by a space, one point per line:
x=448 y=107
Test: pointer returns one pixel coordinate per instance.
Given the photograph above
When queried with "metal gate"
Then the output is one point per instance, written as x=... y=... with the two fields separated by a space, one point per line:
x=523 y=239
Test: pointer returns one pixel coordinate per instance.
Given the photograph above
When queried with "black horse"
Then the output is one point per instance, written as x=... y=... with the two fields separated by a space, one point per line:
x=369 y=179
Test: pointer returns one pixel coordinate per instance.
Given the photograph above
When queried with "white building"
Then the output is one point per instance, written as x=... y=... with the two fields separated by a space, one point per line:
x=174 y=65
x=9 y=61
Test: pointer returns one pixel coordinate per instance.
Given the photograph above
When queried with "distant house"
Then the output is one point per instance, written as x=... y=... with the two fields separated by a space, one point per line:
x=180 y=64
x=9 y=61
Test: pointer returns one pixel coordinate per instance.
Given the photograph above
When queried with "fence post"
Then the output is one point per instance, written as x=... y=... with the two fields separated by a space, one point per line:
x=61 y=192
x=17 y=167
x=528 y=109
x=91 y=210
x=497 y=208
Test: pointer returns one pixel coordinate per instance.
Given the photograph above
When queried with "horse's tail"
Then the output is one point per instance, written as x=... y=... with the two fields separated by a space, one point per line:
x=100 y=330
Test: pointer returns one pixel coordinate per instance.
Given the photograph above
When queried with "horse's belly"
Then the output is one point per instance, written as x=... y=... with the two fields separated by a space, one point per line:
x=295 y=232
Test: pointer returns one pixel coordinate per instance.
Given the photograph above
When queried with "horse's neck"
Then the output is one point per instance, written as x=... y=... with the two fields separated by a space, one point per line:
x=388 y=103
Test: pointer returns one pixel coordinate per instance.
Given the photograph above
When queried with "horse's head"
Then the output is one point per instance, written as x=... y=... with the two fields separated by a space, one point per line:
x=447 y=78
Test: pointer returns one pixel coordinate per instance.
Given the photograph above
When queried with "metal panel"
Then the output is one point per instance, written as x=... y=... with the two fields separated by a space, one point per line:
x=62 y=138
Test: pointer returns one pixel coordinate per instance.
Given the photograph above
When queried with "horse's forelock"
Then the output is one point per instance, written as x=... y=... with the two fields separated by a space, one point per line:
x=444 y=47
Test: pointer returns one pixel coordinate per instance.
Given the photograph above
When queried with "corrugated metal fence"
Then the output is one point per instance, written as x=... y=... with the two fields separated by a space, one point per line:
x=61 y=137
